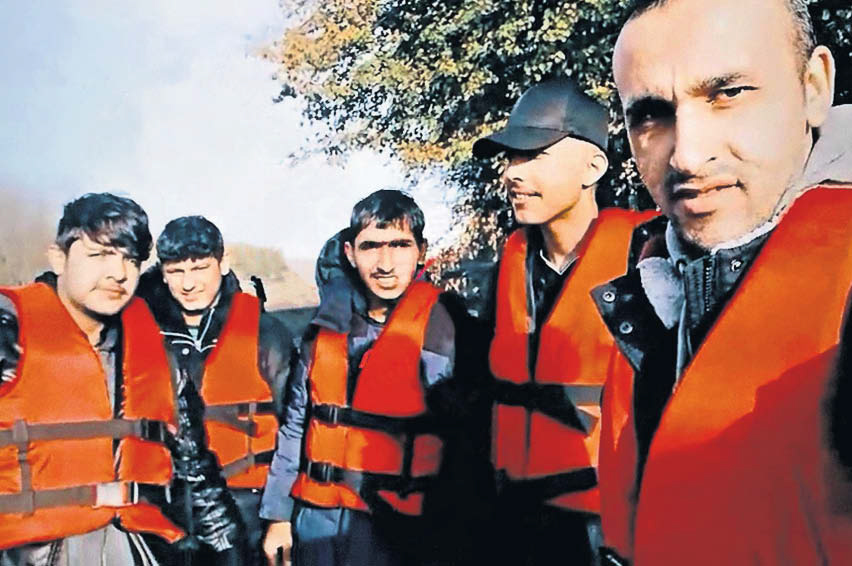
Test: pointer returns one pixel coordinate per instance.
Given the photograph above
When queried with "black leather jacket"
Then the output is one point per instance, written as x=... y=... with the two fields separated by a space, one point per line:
x=210 y=512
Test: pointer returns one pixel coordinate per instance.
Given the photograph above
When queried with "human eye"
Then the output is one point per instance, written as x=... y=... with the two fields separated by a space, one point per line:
x=401 y=244
x=728 y=94
x=648 y=112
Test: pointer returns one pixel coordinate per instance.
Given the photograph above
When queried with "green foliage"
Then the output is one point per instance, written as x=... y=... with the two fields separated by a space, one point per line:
x=423 y=79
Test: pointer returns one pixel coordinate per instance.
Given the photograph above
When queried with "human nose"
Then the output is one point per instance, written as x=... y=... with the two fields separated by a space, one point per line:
x=514 y=168
x=187 y=282
x=385 y=260
x=117 y=268
x=694 y=141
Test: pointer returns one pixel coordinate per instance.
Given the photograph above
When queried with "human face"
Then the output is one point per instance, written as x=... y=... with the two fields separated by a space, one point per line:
x=719 y=113
x=194 y=283
x=546 y=185
x=386 y=259
x=94 y=279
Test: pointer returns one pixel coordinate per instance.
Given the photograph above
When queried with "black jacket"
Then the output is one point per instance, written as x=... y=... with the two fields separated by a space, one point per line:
x=210 y=510
x=452 y=369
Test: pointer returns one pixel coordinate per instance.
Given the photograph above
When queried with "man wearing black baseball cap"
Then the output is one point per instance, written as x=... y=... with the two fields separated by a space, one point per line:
x=551 y=350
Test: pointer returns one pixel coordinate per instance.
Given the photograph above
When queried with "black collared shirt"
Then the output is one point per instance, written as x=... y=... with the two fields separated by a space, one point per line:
x=546 y=285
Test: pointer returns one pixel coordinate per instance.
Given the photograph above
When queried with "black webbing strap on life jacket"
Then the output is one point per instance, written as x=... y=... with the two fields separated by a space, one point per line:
x=554 y=400
x=536 y=490
x=333 y=414
x=252 y=458
x=360 y=482
x=112 y=494
x=367 y=483
x=239 y=415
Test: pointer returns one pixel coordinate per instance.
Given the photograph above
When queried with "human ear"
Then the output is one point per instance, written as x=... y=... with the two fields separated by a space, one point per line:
x=595 y=168
x=819 y=85
x=56 y=258
x=423 y=246
x=349 y=252
x=225 y=264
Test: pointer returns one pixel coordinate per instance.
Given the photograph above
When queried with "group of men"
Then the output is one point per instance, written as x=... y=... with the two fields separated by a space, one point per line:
x=662 y=388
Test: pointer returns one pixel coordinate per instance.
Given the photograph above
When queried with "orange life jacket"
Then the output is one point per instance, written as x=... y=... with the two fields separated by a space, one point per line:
x=703 y=494
x=239 y=415
x=58 y=473
x=538 y=436
x=380 y=450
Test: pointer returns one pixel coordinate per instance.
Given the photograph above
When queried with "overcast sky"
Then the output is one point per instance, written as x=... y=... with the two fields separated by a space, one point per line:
x=164 y=101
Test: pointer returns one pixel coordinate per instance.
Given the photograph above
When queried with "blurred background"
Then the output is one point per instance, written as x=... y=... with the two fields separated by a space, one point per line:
x=272 y=118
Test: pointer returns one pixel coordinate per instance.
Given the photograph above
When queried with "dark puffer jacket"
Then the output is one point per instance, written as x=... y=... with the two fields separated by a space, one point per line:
x=211 y=511
x=453 y=371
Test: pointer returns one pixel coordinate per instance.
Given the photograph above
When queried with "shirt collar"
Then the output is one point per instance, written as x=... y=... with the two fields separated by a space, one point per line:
x=560 y=270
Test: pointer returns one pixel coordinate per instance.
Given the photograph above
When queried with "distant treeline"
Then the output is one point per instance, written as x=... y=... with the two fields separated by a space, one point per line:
x=28 y=226
x=25 y=232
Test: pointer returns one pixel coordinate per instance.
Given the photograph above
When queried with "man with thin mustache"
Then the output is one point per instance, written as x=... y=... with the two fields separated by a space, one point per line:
x=720 y=448
x=373 y=408
x=551 y=352
x=86 y=400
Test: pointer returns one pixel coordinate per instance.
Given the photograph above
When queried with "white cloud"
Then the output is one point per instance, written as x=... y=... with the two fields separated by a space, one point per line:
x=164 y=101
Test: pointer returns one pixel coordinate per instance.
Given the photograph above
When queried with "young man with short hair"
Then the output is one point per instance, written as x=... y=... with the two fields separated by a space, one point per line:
x=370 y=409
x=86 y=400
x=237 y=358
x=551 y=351
x=719 y=449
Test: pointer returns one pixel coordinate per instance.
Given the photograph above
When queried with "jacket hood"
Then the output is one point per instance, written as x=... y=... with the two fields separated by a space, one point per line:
x=48 y=278
x=341 y=292
x=831 y=158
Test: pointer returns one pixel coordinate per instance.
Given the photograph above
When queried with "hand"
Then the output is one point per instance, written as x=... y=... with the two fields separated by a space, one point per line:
x=279 y=535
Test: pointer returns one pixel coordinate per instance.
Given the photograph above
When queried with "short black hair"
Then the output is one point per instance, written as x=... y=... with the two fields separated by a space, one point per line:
x=109 y=220
x=387 y=207
x=804 y=37
x=190 y=237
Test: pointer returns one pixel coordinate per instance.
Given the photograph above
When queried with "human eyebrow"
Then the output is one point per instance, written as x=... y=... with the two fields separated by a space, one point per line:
x=711 y=85
x=645 y=108
x=401 y=243
x=370 y=245
x=101 y=250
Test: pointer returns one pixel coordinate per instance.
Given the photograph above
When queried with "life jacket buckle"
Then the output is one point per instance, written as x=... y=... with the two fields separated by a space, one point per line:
x=20 y=432
x=330 y=414
x=319 y=471
x=116 y=494
x=154 y=431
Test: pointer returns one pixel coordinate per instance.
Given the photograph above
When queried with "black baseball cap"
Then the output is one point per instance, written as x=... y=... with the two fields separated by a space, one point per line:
x=546 y=113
